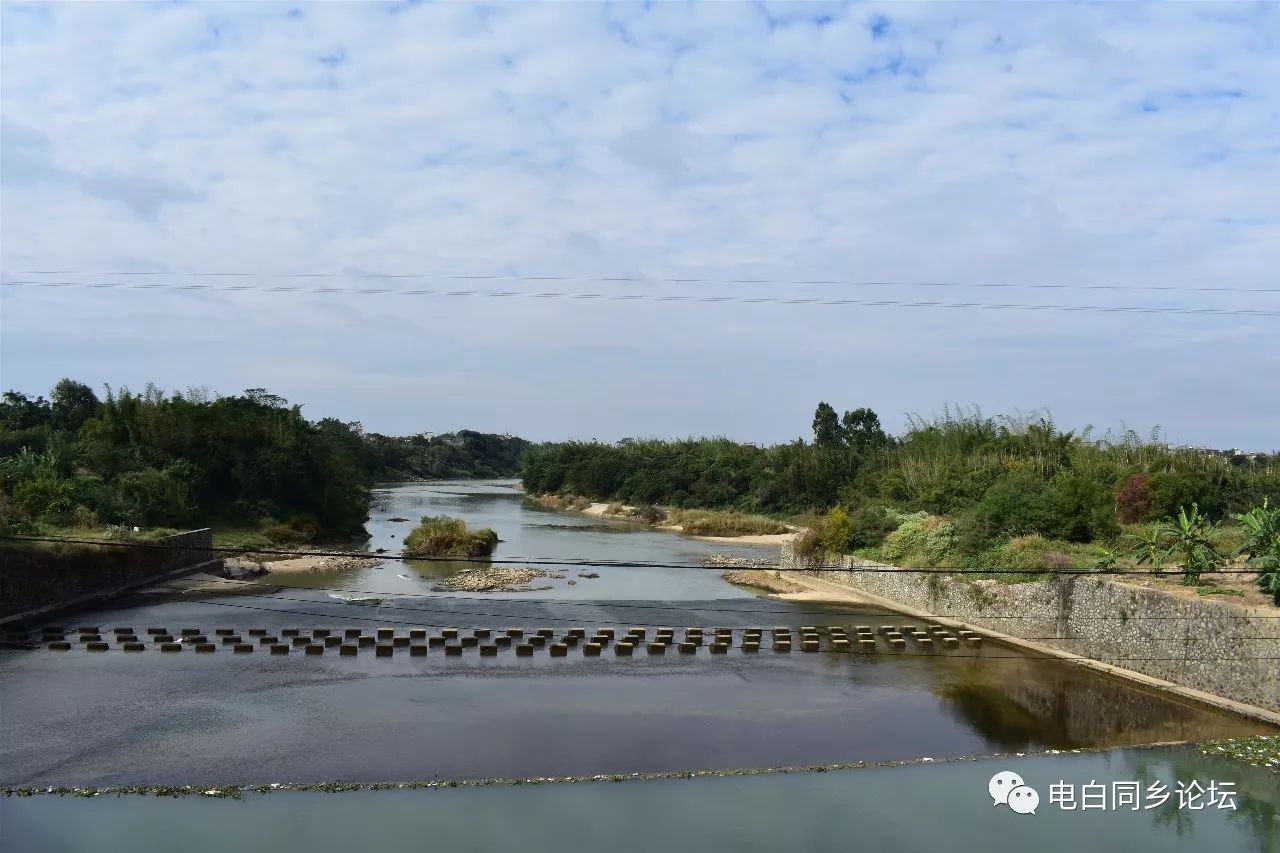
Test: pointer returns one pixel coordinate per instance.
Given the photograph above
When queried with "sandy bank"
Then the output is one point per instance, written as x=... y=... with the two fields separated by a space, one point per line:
x=317 y=563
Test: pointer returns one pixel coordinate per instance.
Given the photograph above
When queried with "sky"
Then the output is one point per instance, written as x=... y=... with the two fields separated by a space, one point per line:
x=1007 y=144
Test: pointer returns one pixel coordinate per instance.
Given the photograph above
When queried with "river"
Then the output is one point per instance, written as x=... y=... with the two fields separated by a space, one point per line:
x=76 y=718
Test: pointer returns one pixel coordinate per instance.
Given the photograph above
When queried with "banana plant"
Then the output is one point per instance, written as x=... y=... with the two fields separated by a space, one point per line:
x=1190 y=545
x=1150 y=548
x=1263 y=547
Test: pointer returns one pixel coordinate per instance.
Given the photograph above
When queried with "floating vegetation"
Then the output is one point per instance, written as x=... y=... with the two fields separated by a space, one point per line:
x=1259 y=750
x=338 y=787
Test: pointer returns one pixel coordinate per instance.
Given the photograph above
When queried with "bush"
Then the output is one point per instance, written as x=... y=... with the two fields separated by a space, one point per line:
x=871 y=524
x=836 y=532
x=442 y=536
x=1133 y=499
x=921 y=540
x=649 y=514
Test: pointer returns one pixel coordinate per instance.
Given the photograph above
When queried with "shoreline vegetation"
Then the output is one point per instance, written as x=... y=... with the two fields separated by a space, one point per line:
x=961 y=490
x=443 y=536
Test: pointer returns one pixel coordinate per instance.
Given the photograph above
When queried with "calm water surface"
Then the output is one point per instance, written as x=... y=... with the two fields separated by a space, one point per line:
x=917 y=808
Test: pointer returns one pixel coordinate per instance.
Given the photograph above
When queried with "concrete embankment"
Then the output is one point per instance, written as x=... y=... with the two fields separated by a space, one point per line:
x=39 y=578
x=1207 y=650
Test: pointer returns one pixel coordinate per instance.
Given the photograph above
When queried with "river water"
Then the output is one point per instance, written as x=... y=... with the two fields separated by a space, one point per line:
x=77 y=718
x=528 y=530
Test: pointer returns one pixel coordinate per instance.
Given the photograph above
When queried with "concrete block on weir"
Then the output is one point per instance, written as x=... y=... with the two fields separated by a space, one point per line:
x=657 y=648
x=951 y=642
x=750 y=645
x=383 y=650
x=604 y=632
x=867 y=645
x=320 y=632
x=348 y=650
x=482 y=633
x=435 y=641
x=782 y=646
x=400 y=642
x=488 y=651
x=840 y=644
x=332 y=641
x=300 y=641
x=809 y=646
x=546 y=633
x=449 y=633
x=171 y=647
x=888 y=629
x=559 y=650
x=453 y=651
x=388 y=633
x=126 y=638
x=898 y=642
x=924 y=642
x=622 y=649
x=134 y=647
x=279 y=649
x=417 y=633
x=417 y=651
x=515 y=632
x=578 y=632
x=687 y=648
x=243 y=648
x=364 y=641
x=569 y=640
x=719 y=648
x=98 y=646
x=524 y=650
x=502 y=641
x=537 y=640
x=470 y=642
x=314 y=649
x=348 y=632
x=973 y=640
x=637 y=632
x=591 y=650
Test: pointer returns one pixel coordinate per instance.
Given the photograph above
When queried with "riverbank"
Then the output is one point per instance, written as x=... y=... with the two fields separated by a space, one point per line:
x=1207 y=651
x=626 y=512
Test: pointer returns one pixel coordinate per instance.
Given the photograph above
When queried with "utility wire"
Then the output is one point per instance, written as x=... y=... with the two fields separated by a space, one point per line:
x=665 y=280
x=590 y=563
x=649 y=297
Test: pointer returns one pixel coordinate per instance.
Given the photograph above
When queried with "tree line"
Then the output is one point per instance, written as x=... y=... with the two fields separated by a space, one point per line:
x=191 y=458
x=997 y=477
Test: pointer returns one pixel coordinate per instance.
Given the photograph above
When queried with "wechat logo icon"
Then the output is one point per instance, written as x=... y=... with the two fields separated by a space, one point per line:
x=1008 y=789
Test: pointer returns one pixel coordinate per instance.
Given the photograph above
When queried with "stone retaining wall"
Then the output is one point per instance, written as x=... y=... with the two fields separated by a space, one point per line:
x=1217 y=647
x=37 y=576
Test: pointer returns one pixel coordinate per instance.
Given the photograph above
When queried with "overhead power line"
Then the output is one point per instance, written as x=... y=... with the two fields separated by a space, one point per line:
x=650 y=297
x=666 y=280
x=590 y=563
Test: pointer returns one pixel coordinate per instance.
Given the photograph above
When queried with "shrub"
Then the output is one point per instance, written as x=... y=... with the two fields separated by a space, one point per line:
x=922 y=539
x=1133 y=499
x=871 y=524
x=442 y=536
x=85 y=518
x=703 y=522
x=836 y=532
x=650 y=514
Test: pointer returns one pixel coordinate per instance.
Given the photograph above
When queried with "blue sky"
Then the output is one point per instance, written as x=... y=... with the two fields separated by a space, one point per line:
x=1109 y=144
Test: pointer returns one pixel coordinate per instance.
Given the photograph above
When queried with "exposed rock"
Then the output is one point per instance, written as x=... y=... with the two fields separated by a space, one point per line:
x=397 y=518
x=489 y=579
x=239 y=568
x=768 y=581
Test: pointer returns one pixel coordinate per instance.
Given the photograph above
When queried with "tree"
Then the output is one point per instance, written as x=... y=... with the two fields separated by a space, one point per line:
x=826 y=426
x=73 y=404
x=862 y=431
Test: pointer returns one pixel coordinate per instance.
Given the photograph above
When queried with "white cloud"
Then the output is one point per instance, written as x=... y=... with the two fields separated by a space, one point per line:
x=1106 y=144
